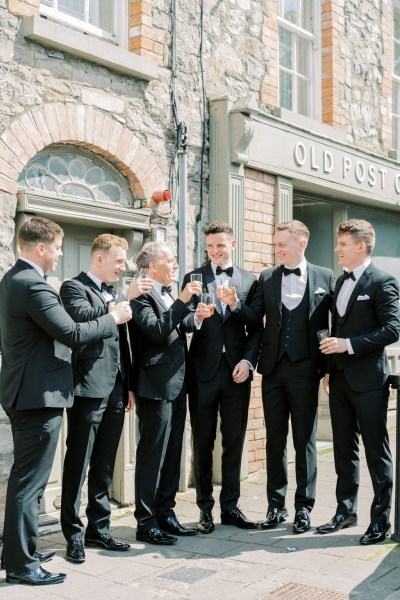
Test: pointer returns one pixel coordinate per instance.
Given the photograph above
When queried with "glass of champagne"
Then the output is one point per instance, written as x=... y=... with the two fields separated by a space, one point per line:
x=322 y=334
x=120 y=295
x=196 y=277
x=208 y=299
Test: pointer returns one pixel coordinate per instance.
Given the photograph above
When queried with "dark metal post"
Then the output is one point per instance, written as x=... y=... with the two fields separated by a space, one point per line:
x=395 y=383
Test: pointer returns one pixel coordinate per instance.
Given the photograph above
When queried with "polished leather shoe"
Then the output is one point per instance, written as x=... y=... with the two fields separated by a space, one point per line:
x=75 y=551
x=172 y=525
x=104 y=540
x=301 y=522
x=37 y=576
x=339 y=521
x=235 y=517
x=375 y=533
x=42 y=556
x=275 y=516
x=206 y=522
x=155 y=536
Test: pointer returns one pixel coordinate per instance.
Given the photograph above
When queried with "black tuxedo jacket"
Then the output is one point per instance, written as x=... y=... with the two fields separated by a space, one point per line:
x=95 y=365
x=238 y=332
x=35 y=336
x=267 y=301
x=371 y=322
x=158 y=346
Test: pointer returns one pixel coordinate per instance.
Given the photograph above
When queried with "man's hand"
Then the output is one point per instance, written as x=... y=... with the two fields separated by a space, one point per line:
x=228 y=296
x=131 y=402
x=325 y=383
x=241 y=372
x=120 y=311
x=204 y=311
x=190 y=289
x=332 y=345
x=139 y=286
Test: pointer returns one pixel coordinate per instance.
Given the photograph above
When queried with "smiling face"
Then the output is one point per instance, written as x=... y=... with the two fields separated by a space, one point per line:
x=289 y=248
x=350 y=252
x=164 y=269
x=108 y=265
x=219 y=248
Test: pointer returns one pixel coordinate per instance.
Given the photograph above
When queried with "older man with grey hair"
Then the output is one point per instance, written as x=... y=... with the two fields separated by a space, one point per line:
x=159 y=350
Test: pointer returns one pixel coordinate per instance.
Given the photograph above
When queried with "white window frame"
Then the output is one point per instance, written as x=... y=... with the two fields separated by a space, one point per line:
x=314 y=38
x=395 y=83
x=118 y=37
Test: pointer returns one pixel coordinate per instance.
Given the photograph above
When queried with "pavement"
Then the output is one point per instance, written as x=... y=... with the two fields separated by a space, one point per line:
x=232 y=564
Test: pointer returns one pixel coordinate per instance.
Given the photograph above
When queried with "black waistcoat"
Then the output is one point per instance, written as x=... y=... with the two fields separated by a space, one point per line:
x=294 y=339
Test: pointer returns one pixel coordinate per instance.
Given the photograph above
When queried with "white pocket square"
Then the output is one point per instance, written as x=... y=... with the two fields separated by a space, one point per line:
x=366 y=297
x=320 y=291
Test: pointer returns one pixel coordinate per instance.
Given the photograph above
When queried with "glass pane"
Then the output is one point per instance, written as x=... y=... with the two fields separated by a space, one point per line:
x=395 y=136
x=47 y=2
x=59 y=168
x=38 y=179
x=285 y=90
x=303 y=57
x=109 y=192
x=396 y=23
x=101 y=14
x=397 y=58
x=75 y=8
x=290 y=10
x=74 y=189
x=396 y=98
x=307 y=15
x=94 y=176
x=285 y=48
x=303 y=97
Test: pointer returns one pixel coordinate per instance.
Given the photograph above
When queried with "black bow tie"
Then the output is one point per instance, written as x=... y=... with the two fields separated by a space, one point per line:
x=45 y=277
x=349 y=275
x=105 y=287
x=295 y=271
x=228 y=271
x=166 y=289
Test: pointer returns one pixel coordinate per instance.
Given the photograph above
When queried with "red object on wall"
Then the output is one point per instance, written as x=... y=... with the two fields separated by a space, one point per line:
x=161 y=196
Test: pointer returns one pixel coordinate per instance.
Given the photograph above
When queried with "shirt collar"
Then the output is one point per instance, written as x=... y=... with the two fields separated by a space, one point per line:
x=157 y=286
x=358 y=271
x=34 y=265
x=214 y=267
x=95 y=279
x=302 y=266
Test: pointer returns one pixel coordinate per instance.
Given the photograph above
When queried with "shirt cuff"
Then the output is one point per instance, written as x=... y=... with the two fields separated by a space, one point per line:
x=197 y=323
x=249 y=363
x=349 y=346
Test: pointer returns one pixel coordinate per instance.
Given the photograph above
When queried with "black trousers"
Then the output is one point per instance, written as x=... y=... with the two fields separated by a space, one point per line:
x=291 y=390
x=158 y=458
x=353 y=413
x=220 y=394
x=94 y=431
x=35 y=433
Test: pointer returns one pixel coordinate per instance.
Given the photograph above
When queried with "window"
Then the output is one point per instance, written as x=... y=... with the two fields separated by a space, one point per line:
x=298 y=68
x=396 y=76
x=102 y=18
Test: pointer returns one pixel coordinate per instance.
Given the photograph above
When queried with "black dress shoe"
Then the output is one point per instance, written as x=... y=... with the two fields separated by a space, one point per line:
x=155 y=536
x=104 y=540
x=275 y=516
x=37 y=576
x=375 y=533
x=339 y=521
x=42 y=556
x=206 y=522
x=75 y=551
x=301 y=522
x=172 y=525
x=235 y=517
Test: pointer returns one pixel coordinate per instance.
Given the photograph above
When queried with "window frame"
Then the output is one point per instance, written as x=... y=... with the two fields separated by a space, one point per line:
x=120 y=18
x=314 y=39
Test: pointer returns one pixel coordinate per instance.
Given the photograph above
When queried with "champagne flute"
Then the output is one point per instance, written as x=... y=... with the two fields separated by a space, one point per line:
x=208 y=299
x=120 y=295
x=196 y=277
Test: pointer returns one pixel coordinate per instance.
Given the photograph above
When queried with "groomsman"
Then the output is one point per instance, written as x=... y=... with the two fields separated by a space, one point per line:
x=366 y=319
x=295 y=297
x=223 y=354
x=160 y=384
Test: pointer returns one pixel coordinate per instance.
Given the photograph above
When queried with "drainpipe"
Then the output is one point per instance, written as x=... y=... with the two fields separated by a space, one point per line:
x=182 y=212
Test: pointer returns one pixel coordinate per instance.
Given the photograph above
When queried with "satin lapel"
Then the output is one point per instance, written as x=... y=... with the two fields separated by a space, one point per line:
x=210 y=284
x=277 y=282
x=160 y=304
x=312 y=286
x=83 y=278
x=360 y=285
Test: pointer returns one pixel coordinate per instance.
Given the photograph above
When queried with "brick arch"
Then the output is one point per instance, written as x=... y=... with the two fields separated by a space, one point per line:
x=79 y=125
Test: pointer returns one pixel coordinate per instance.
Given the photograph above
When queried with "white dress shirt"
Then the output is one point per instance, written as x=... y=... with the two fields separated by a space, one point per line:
x=166 y=298
x=34 y=265
x=294 y=286
x=98 y=282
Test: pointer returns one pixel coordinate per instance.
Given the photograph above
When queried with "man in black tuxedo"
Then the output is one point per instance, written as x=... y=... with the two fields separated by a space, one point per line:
x=223 y=353
x=36 y=385
x=103 y=391
x=296 y=298
x=365 y=320
x=159 y=350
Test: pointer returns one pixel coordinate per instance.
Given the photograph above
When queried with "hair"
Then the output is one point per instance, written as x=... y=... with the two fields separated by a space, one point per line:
x=360 y=231
x=106 y=241
x=151 y=252
x=219 y=227
x=296 y=228
x=38 y=230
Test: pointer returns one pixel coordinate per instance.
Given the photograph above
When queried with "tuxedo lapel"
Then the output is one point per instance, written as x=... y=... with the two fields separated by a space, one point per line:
x=360 y=285
x=277 y=283
x=211 y=285
x=88 y=282
x=312 y=286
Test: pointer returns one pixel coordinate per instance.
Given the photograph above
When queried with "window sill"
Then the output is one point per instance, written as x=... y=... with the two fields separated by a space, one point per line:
x=310 y=124
x=66 y=39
